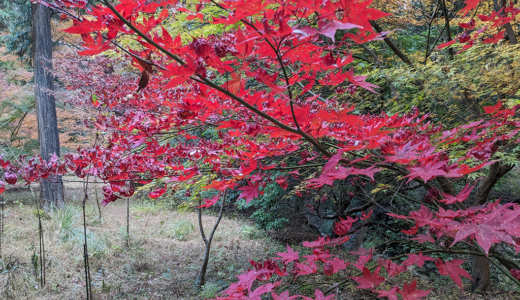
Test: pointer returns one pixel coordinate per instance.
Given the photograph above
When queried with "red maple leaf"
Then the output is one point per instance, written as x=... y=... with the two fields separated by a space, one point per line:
x=210 y=202
x=363 y=259
x=248 y=278
x=463 y=195
x=343 y=226
x=360 y=81
x=470 y=25
x=410 y=293
x=334 y=160
x=326 y=27
x=284 y=296
x=321 y=181
x=259 y=291
x=269 y=80
x=369 y=280
x=495 y=38
x=412 y=230
x=250 y=191
x=234 y=84
x=493 y=109
x=306 y=269
x=10 y=177
x=85 y=26
x=318 y=295
x=404 y=154
x=470 y=5
x=427 y=171
x=486 y=228
x=329 y=28
x=365 y=216
x=221 y=185
x=288 y=256
x=392 y=268
x=180 y=74
x=452 y=269
x=423 y=238
x=419 y=259
x=334 y=266
x=157 y=193
x=369 y=172
x=319 y=255
x=391 y=294
x=447 y=44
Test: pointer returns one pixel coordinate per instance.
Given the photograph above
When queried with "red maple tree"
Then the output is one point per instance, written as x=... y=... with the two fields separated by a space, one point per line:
x=285 y=48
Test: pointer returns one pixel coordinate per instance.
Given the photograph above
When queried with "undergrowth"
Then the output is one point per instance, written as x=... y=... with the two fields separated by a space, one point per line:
x=161 y=262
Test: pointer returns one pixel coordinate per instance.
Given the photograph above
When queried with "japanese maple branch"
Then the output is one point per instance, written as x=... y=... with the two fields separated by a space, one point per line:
x=206 y=241
x=312 y=93
x=298 y=167
x=217 y=87
x=346 y=213
x=412 y=199
x=219 y=217
x=290 y=92
x=201 y=228
x=137 y=57
x=280 y=60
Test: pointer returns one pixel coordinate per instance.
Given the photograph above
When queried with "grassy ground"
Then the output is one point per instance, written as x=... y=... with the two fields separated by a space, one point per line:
x=161 y=261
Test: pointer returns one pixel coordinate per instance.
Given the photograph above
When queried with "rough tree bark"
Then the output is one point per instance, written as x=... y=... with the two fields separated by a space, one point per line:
x=48 y=136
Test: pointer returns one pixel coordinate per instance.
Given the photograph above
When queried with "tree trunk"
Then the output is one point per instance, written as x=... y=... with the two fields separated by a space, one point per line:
x=448 y=29
x=362 y=232
x=128 y=222
x=201 y=278
x=48 y=136
x=480 y=264
x=100 y=216
x=510 y=32
x=480 y=274
x=358 y=240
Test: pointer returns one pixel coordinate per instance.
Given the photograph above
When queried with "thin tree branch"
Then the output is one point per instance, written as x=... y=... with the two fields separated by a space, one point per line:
x=391 y=44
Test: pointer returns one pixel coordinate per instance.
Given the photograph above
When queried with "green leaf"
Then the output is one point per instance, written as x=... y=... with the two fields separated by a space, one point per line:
x=95 y=100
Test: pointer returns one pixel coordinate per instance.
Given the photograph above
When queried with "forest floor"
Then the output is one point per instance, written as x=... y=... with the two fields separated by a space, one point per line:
x=161 y=260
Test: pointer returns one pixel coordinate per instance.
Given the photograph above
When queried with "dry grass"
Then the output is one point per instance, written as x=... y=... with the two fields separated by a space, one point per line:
x=163 y=258
x=161 y=262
